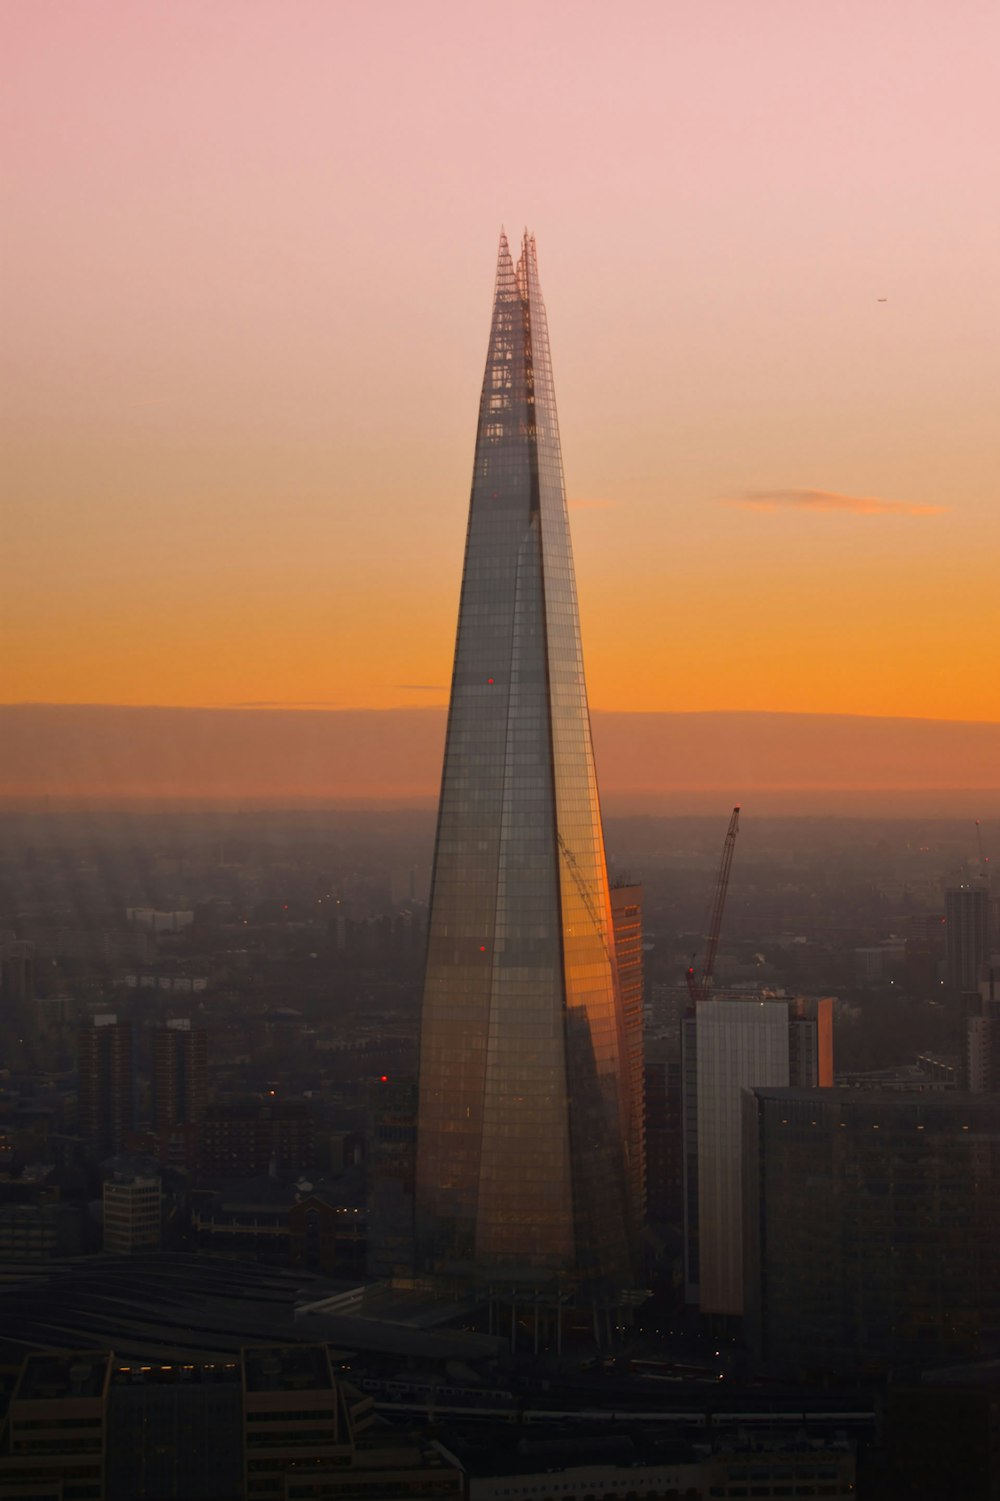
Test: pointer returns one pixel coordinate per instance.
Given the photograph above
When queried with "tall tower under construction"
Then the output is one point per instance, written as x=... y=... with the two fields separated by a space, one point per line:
x=526 y=1118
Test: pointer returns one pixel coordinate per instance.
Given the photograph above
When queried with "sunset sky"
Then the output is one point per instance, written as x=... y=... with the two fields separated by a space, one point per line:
x=248 y=263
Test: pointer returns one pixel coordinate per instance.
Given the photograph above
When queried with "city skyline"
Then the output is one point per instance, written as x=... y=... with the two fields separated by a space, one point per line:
x=244 y=295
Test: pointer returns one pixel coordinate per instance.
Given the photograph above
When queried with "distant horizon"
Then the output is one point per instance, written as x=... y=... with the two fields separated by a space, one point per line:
x=323 y=708
x=699 y=803
x=250 y=299
x=647 y=761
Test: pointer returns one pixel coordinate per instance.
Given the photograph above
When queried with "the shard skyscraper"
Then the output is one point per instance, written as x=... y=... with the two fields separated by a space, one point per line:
x=525 y=1123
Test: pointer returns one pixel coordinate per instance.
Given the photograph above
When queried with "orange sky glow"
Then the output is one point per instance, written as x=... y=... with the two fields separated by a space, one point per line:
x=247 y=296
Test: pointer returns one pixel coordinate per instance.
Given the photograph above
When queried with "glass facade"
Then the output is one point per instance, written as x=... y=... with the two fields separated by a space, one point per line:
x=523 y=1121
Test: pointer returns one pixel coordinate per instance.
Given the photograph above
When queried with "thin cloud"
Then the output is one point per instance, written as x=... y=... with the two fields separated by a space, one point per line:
x=283 y=703
x=829 y=500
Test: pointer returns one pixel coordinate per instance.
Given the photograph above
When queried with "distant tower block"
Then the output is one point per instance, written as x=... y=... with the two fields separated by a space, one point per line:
x=106 y=1066
x=525 y=1114
x=180 y=1061
x=967 y=934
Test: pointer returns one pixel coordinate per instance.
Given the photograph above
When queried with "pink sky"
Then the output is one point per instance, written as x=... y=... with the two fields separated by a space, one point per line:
x=248 y=263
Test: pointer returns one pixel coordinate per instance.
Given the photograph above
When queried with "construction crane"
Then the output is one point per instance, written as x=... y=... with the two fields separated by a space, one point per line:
x=984 y=860
x=701 y=989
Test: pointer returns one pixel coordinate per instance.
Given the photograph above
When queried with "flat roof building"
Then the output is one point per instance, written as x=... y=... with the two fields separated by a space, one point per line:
x=54 y=1437
x=871 y=1228
x=729 y=1046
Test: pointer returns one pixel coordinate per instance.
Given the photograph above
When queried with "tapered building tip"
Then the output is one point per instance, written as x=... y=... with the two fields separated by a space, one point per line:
x=505 y=277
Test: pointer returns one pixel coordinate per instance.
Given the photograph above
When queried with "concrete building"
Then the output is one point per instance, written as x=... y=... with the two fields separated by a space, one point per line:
x=871 y=1229
x=106 y=1066
x=180 y=1059
x=729 y=1046
x=249 y=1138
x=308 y=1435
x=37 y=1230
x=320 y=1227
x=271 y=1423
x=982 y=1035
x=53 y=1439
x=133 y=1210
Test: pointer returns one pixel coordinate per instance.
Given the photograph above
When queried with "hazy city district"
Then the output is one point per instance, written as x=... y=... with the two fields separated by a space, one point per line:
x=210 y=1027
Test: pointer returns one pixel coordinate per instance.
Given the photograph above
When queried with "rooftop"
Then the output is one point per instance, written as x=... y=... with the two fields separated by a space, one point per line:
x=287 y=1368
x=50 y=1378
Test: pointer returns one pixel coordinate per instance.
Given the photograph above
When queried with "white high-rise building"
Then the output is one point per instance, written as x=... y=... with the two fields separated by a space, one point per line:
x=730 y=1046
x=132 y=1212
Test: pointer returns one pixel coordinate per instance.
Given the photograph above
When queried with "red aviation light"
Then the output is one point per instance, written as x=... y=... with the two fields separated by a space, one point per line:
x=383 y=1078
x=490 y=681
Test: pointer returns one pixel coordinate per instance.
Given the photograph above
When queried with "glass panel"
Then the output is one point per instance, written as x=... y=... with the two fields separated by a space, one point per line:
x=526 y=1119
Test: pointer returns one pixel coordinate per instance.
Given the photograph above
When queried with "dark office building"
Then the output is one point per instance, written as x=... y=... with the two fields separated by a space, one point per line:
x=871 y=1228
x=626 y=916
x=17 y=975
x=179 y=1086
x=967 y=935
x=391 y=1163
x=175 y=1430
x=942 y=1436
x=106 y=1066
x=664 y=1133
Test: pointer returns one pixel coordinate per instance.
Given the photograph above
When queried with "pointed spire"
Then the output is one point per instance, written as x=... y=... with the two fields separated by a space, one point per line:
x=506 y=282
x=527 y=265
x=522 y=1031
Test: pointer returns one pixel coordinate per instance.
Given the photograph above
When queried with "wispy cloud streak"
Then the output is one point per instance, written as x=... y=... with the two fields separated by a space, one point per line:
x=828 y=500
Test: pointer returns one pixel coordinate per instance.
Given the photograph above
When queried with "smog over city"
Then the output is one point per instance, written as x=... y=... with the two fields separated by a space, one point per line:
x=499 y=751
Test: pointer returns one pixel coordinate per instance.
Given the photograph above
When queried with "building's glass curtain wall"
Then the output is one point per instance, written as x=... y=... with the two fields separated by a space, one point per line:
x=524 y=1120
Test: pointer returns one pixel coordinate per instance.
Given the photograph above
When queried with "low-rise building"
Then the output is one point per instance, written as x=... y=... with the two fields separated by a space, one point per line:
x=133 y=1210
x=53 y=1442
